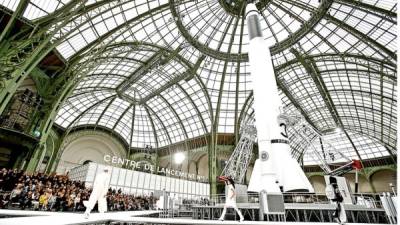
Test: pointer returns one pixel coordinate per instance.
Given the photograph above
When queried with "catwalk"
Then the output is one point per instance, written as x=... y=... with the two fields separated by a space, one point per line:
x=59 y=218
x=179 y=221
x=133 y=217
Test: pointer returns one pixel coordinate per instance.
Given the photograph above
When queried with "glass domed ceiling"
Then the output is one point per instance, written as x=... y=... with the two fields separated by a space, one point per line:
x=160 y=72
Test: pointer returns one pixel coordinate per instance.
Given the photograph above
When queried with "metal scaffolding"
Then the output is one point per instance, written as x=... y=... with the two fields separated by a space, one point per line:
x=305 y=131
x=239 y=161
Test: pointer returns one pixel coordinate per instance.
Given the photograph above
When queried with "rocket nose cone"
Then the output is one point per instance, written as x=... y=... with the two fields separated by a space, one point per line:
x=251 y=9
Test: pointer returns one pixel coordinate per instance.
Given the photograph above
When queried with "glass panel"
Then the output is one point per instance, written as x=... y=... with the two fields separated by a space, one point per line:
x=135 y=179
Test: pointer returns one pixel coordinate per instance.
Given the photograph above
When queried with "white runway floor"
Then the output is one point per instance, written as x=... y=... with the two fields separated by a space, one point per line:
x=59 y=218
x=179 y=221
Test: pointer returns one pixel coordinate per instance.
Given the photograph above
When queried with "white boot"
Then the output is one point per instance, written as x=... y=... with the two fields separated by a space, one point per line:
x=86 y=215
x=223 y=214
x=240 y=214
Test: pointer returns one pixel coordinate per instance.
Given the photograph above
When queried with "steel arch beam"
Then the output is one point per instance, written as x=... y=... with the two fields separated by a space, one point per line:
x=365 y=93
x=318 y=14
x=70 y=6
x=104 y=75
x=348 y=28
x=121 y=58
x=183 y=61
x=184 y=76
x=99 y=40
x=369 y=8
x=105 y=109
x=312 y=69
x=161 y=48
x=381 y=108
x=344 y=56
x=90 y=89
x=191 y=68
x=301 y=20
x=389 y=147
x=237 y=116
x=49 y=20
x=367 y=71
x=292 y=100
x=15 y=67
x=245 y=107
x=194 y=106
x=176 y=115
x=297 y=105
x=132 y=128
x=139 y=72
x=39 y=44
x=88 y=109
x=221 y=87
x=152 y=123
x=17 y=14
x=352 y=124
x=362 y=37
x=152 y=126
x=212 y=154
x=122 y=115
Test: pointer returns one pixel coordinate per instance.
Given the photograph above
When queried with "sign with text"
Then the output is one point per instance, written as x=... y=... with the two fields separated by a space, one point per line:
x=115 y=160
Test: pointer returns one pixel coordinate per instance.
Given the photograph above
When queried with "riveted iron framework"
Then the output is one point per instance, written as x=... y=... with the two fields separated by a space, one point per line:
x=165 y=71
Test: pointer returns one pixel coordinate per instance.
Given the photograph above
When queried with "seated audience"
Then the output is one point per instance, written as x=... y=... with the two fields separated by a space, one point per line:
x=39 y=191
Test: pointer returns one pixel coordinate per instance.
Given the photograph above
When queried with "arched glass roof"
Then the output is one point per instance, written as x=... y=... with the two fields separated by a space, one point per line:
x=158 y=72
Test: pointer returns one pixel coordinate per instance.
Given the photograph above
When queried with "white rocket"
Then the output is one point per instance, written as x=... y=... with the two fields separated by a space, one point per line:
x=275 y=166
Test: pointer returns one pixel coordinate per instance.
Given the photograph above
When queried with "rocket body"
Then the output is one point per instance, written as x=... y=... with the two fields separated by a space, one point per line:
x=275 y=166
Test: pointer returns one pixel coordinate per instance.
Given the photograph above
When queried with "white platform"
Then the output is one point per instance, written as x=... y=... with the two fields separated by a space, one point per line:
x=60 y=218
x=178 y=221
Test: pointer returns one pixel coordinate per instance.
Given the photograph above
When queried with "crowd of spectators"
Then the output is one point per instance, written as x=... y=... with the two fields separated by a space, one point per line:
x=39 y=191
x=201 y=201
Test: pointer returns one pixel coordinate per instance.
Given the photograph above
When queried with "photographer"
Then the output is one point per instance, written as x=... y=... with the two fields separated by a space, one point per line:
x=333 y=193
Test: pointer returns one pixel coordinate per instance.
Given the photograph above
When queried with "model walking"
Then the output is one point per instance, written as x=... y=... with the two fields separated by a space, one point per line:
x=230 y=199
x=99 y=193
x=333 y=193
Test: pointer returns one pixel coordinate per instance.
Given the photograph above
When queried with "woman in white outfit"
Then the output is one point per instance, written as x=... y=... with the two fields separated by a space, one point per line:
x=230 y=199
x=99 y=193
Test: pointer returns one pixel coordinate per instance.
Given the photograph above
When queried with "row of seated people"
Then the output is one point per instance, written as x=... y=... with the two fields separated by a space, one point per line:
x=40 y=191
x=201 y=201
